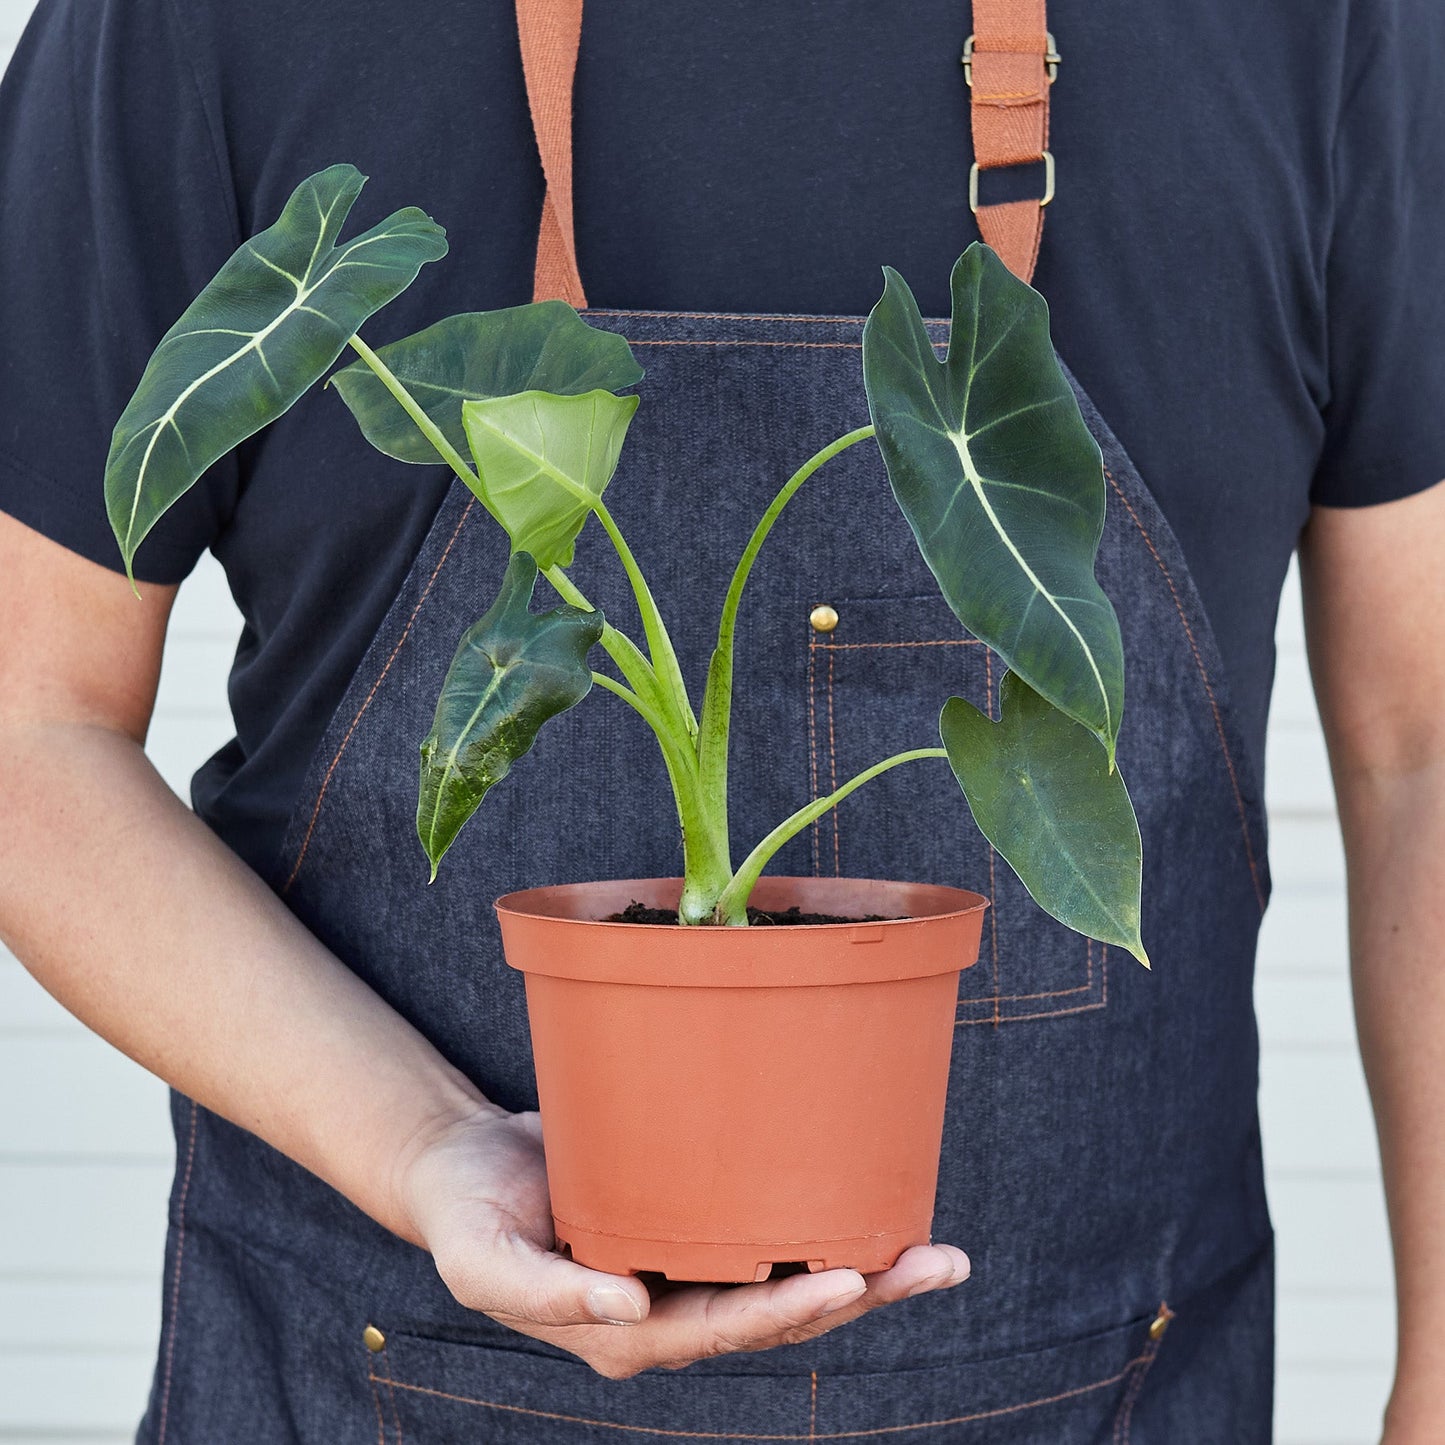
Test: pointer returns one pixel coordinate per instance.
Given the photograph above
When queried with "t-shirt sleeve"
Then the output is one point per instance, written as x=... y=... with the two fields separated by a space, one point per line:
x=1385 y=283
x=114 y=211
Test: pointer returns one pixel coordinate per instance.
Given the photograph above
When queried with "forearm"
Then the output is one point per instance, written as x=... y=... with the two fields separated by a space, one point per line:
x=128 y=909
x=1395 y=838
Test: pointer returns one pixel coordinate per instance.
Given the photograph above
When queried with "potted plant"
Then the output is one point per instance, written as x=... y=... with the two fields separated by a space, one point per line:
x=845 y=1020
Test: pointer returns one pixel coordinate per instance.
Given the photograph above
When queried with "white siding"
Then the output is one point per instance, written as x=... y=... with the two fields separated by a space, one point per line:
x=85 y=1147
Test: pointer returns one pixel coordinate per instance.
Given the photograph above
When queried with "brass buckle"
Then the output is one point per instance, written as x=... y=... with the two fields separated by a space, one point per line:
x=1048 y=160
x=1052 y=59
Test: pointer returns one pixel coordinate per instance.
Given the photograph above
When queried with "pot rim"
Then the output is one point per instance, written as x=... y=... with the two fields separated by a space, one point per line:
x=559 y=933
x=551 y=902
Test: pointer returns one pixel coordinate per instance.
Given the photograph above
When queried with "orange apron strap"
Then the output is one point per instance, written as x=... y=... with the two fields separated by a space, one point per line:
x=551 y=32
x=1009 y=63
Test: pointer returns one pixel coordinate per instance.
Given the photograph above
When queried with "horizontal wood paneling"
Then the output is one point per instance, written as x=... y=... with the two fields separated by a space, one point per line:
x=82 y=1221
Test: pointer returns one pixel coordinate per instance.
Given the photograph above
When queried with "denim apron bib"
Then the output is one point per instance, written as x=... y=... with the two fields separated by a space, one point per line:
x=1101 y=1159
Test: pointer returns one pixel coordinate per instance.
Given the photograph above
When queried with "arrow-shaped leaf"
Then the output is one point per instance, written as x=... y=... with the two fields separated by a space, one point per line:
x=514 y=670
x=270 y=323
x=543 y=461
x=1001 y=481
x=544 y=346
x=1041 y=791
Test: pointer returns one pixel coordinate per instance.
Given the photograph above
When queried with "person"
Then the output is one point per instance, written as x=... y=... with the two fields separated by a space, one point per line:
x=1243 y=273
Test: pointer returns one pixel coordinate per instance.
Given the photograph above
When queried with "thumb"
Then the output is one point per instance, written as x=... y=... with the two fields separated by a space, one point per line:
x=516 y=1279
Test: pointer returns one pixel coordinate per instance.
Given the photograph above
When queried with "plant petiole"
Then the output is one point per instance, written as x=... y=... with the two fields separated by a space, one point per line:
x=712 y=739
x=659 y=644
x=732 y=905
x=409 y=404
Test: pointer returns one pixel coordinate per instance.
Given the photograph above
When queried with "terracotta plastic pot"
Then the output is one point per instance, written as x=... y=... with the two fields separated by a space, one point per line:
x=716 y=1101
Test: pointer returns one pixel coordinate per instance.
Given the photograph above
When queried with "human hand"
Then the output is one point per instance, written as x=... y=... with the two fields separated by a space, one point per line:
x=477 y=1195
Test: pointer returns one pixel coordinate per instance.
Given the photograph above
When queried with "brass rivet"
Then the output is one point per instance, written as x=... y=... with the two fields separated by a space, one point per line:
x=823 y=618
x=1158 y=1325
x=373 y=1339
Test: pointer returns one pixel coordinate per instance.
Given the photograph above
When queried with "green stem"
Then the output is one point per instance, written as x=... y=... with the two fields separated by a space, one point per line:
x=631 y=662
x=732 y=906
x=717 y=700
x=409 y=404
x=659 y=644
x=644 y=710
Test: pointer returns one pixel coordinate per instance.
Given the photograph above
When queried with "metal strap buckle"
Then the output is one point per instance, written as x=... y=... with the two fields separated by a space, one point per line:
x=1048 y=160
x=1052 y=60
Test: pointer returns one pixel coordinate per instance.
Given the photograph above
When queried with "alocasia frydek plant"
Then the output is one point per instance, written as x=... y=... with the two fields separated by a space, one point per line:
x=987 y=454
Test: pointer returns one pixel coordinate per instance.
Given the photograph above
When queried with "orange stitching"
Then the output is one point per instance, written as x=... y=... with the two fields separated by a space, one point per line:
x=376 y=1400
x=1054 y=1013
x=813 y=757
x=176 y=1280
x=1086 y=987
x=833 y=774
x=935 y=642
x=994 y=96
x=1125 y=1417
x=813 y=1409
x=997 y=999
x=391 y=1394
x=1208 y=688
x=405 y=633
x=832 y=1435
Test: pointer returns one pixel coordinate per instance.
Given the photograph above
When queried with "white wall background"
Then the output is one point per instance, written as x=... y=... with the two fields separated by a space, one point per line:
x=85 y=1148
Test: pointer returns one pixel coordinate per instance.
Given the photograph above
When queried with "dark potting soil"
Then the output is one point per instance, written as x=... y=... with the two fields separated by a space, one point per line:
x=639 y=913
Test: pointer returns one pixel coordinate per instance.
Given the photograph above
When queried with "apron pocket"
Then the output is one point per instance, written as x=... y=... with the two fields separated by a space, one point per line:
x=875 y=686
x=1081 y=1393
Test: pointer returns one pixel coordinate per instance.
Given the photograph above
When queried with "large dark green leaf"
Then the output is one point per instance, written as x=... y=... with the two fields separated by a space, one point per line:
x=544 y=346
x=1042 y=792
x=514 y=670
x=272 y=321
x=543 y=461
x=1001 y=481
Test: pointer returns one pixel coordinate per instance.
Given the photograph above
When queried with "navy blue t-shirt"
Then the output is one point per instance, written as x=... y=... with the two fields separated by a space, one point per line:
x=1244 y=261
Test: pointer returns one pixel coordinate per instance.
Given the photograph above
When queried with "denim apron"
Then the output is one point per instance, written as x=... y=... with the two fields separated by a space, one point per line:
x=1101 y=1158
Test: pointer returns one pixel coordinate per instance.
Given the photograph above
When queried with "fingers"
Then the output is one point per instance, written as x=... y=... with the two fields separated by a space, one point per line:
x=700 y=1322
x=918 y=1270
x=515 y=1281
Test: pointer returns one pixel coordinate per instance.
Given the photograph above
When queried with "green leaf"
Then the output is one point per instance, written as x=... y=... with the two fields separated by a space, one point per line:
x=544 y=461
x=544 y=346
x=1042 y=792
x=270 y=323
x=514 y=670
x=1001 y=481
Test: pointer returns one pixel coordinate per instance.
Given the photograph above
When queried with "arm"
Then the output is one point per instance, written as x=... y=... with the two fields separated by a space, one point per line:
x=1374 y=603
x=128 y=909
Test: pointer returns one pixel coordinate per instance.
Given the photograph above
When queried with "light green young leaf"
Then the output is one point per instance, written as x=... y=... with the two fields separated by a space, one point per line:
x=513 y=670
x=544 y=346
x=1001 y=482
x=543 y=461
x=270 y=323
x=1041 y=791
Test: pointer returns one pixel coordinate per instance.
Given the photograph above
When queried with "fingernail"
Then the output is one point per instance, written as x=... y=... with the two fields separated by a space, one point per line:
x=613 y=1305
x=842 y=1298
